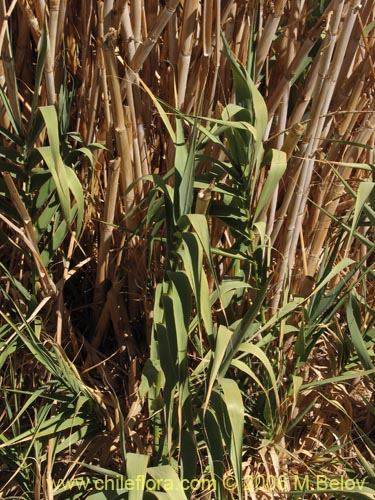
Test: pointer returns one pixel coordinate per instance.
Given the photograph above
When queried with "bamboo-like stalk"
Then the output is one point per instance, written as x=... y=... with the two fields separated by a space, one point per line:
x=334 y=195
x=173 y=42
x=86 y=69
x=107 y=15
x=94 y=99
x=287 y=53
x=49 y=72
x=306 y=93
x=103 y=78
x=363 y=14
x=32 y=21
x=121 y=137
x=292 y=139
x=54 y=9
x=349 y=119
x=40 y=7
x=323 y=92
x=207 y=20
x=56 y=29
x=60 y=290
x=209 y=103
x=23 y=41
x=144 y=50
x=60 y=26
x=136 y=10
x=4 y=22
x=363 y=70
x=6 y=56
x=289 y=145
x=270 y=27
x=344 y=133
x=108 y=220
x=131 y=110
x=118 y=11
x=325 y=97
x=127 y=33
x=302 y=53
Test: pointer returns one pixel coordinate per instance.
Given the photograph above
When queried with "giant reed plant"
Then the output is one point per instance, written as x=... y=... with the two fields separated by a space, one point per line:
x=187 y=216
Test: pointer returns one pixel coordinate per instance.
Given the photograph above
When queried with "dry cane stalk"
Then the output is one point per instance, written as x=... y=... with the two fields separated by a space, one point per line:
x=286 y=56
x=94 y=99
x=186 y=47
x=60 y=290
x=288 y=147
x=53 y=23
x=49 y=72
x=242 y=34
x=124 y=168
x=143 y=50
x=23 y=44
x=58 y=29
x=313 y=132
x=325 y=98
x=173 y=43
x=32 y=21
x=307 y=91
x=344 y=133
x=208 y=8
x=107 y=225
x=302 y=53
x=107 y=14
x=6 y=56
x=209 y=104
x=334 y=195
x=272 y=23
x=354 y=42
x=87 y=70
x=40 y=8
x=136 y=9
x=121 y=137
x=60 y=25
x=133 y=95
x=127 y=33
x=138 y=140
x=118 y=12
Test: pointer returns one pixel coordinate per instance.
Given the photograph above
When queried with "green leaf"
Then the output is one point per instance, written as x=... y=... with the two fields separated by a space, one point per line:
x=233 y=401
x=136 y=466
x=42 y=51
x=76 y=189
x=256 y=351
x=184 y=171
x=216 y=450
x=363 y=194
x=199 y=223
x=242 y=329
x=14 y=120
x=222 y=340
x=62 y=188
x=357 y=338
x=277 y=169
x=192 y=258
x=64 y=177
x=166 y=477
